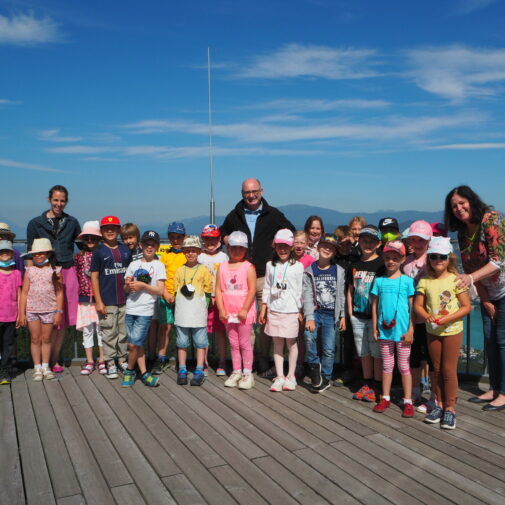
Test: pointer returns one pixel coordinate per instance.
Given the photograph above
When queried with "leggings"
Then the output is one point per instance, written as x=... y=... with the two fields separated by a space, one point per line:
x=444 y=353
x=241 y=351
x=88 y=334
x=387 y=348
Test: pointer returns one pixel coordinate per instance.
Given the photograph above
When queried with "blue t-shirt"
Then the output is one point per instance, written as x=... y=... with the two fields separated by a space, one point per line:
x=393 y=305
x=111 y=266
x=326 y=287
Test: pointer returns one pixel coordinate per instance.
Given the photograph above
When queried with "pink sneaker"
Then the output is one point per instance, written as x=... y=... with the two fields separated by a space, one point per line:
x=58 y=369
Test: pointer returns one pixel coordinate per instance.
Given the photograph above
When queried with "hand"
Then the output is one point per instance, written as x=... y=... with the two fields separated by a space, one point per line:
x=223 y=316
x=57 y=319
x=464 y=281
x=136 y=286
x=242 y=315
x=431 y=319
x=376 y=334
x=300 y=317
x=342 y=325
x=21 y=321
x=310 y=325
x=128 y=279
x=168 y=297
x=408 y=338
x=101 y=309
x=262 y=317
x=490 y=308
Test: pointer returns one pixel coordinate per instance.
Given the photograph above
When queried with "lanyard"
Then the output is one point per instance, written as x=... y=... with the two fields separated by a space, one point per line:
x=196 y=271
x=284 y=275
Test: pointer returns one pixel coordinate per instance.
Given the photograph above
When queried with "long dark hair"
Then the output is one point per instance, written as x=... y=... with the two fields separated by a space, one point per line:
x=477 y=206
x=291 y=260
x=309 y=222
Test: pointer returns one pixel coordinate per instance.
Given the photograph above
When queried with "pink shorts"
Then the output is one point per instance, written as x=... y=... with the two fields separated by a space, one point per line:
x=282 y=325
x=43 y=317
x=71 y=297
x=213 y=321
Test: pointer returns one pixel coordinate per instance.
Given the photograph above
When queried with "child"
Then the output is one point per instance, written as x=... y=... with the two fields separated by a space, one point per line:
x=108 y=266
x=87 y=317
x=7 y=234
x=360 y=277
x=356 y=224
x=392 y=325
x=144 y=283
x=419 y=236
x=41 y=304
x=193 y=289
x=172 y=259
x=314 y=228
x=443 y=305
x=130 y=235
x=282 y=295
x=10 y=294
x=211 y=257
x=235 y=292
x=300 y=244
x=323 y=287
x=390 y=229
x=346 y=252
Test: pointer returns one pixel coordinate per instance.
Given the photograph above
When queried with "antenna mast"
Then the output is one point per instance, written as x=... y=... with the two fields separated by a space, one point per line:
x=212 y=202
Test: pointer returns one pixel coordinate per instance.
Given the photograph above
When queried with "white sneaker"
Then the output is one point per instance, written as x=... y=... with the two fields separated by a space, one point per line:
x=112 y=371
x=233 y=380
x=426 y=408
x=277 y=384
x=289 y=384
x=246 y=382
x=123 y=365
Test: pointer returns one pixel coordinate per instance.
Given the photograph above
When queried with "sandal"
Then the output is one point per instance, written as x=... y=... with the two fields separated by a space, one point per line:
x=102 y=367
x=48 y=375
x=150 y=380
x=87 y=368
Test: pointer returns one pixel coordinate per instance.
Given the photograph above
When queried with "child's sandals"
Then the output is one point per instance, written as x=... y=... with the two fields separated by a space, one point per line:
x=87 y=368
x=150 y=380
x=102 y=367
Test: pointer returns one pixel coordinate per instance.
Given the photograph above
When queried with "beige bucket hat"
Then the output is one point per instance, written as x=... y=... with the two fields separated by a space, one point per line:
x=41 y=245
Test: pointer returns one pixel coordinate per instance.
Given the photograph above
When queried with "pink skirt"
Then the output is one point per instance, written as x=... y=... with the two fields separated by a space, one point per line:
x=282 y=325
x=86 y=315
x=71 y=297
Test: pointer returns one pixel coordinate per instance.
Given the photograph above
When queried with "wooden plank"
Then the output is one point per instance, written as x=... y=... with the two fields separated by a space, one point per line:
x=92 y=482
x=470 y=487
x=57 y=457
x=237 y=486
x=36 y=478
x=105 y=453
x=11 y=480
x=128 y=495
x=115 y=416
x=76 y=499
x=183 y=490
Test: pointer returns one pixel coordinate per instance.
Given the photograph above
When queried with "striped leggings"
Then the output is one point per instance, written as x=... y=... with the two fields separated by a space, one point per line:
x=387 y=348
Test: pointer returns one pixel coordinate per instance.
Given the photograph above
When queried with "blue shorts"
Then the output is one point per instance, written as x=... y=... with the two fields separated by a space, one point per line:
x=137 y=329
x=200 y=339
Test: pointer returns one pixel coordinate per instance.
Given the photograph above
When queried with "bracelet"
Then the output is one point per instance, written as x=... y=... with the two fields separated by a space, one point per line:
x=58 y=311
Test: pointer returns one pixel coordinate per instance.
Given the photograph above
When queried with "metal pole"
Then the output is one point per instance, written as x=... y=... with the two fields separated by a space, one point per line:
x=212 y=203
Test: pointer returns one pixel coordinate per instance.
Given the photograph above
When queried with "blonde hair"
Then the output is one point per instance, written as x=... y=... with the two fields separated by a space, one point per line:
x=130 y=229
x=342 y=232
x=452 y=267
x=301 y=233
x=357 y=219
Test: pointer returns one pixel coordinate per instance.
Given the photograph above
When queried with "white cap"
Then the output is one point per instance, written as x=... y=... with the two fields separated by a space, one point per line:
x=238 y=238
x=440 y=245
x=284 y=236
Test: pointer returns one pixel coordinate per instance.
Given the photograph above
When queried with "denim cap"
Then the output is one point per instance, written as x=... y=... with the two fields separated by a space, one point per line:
x=6 y=245
x=440 y=245
x=396 y=246
x=238 y=238
x=176 y=227
x=191 y=241
x=371 y=231
x=150 y=235
x=284 y=236
x=421 y=229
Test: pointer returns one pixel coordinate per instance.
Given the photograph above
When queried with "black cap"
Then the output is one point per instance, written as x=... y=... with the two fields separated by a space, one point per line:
x=389 y=222
x=150 y=235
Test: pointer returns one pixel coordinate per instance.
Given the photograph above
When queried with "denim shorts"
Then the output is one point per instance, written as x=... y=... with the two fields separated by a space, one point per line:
x=363 y=337
x=200 y=339
x=137 y=328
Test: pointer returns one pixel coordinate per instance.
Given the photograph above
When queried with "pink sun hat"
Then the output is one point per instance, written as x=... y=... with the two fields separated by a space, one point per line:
x=284 y=236
x=90 y=228
x=421 y=229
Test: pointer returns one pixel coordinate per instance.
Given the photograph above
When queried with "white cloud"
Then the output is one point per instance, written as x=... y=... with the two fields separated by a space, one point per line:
x=26 y=29
x=469 y=6
x=54 y=136
x=81 y=149
x=471 y=147
x=312 y=105
x=296 y=60
x=458 y=72
x=4 y=101
x=26 y=166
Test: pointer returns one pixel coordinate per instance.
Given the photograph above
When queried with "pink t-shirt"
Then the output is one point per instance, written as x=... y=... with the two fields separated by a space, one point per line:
x=9 y=285
x=306 y=260
x=234 y=288
x=41 y=295
x=415 y=268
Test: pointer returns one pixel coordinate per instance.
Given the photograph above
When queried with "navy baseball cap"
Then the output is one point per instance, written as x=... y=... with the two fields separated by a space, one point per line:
x=371 y=231
x=150 y=235
x=176 y=227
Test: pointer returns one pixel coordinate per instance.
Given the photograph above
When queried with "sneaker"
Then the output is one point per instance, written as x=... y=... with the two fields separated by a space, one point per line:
x=206 y=371
x=435 y=416
x=198 y=378
x=123 y=366
x=37 y=375
x=426 y=408
x=277 y=384
x=112 y=371
x=370 y=396
x=358 y=395
x=128 y=378
x=182 y=377
x=338 y=383
x=246 y=382
x=418 y=400
x=150 y=380
x=271 y=373
x=233 y=380
x=87 y=368
x=408 y=410
x=220 y=372
x=448 y=422
x=58 y=369
x=102 y=367
x=315 y=374
x=289 y=384
x=47 y=374
x=159 y=366
x=4 y=377
x=325 y=384
x=382 y=406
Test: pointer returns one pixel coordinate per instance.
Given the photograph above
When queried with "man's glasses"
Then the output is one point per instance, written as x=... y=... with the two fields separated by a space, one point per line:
x=253 y=192
x=435 y=257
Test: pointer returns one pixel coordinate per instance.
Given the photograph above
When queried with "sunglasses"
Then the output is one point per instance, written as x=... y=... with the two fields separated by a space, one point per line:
x=435 y=257
x=90 y=238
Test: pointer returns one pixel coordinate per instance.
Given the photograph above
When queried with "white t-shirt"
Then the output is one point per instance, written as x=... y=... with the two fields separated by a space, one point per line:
x=283 y=287
x=212 y=262
x=141 y=303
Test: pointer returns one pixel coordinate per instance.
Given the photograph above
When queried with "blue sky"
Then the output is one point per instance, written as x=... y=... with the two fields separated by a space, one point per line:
x=350 y=105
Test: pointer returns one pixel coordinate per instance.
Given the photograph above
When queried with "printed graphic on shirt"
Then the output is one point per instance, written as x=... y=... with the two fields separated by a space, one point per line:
x=142 y=275
x=326 y=287
x=234 y=284
x=362 y=276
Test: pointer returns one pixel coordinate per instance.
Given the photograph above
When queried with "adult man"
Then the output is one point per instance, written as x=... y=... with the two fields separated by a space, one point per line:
x=260 y=222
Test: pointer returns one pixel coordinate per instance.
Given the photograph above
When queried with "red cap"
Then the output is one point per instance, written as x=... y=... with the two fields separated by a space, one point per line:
x=110 y=220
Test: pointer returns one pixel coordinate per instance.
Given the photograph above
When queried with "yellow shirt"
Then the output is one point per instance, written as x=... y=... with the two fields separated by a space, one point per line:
x=172 y=262
x=441 y=300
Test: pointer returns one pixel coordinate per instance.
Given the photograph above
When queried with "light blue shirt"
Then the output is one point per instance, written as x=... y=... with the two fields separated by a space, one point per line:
x=251 y=216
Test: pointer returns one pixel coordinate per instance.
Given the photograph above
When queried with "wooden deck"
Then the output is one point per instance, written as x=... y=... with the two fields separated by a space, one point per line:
x=85 y=440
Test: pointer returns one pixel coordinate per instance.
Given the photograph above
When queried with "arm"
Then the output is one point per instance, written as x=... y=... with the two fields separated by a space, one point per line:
x=22 y=293
x=308 y=302
x=266 y=294
x=219 y=299
x=95 y=284
x=464 y=309
x=420 y=308
x=251 y=293
x=484 y=298
x=466 y=280
x=408 y=337
x=350 y=294
x=375 y=328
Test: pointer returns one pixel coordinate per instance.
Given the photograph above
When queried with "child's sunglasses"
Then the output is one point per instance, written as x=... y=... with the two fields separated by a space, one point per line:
x=435 y=257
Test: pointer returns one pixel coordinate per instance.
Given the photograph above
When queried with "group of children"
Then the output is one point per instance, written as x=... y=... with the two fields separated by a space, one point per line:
x=131 y=294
